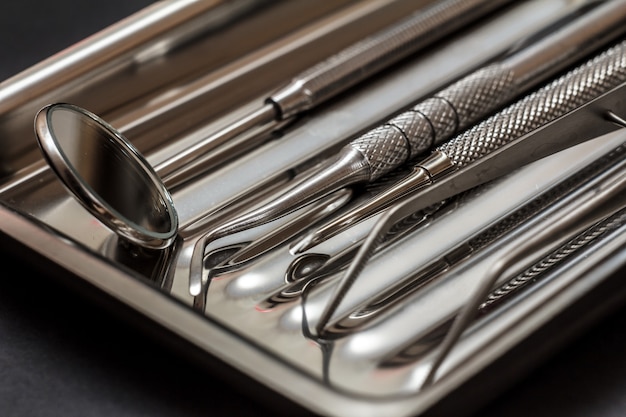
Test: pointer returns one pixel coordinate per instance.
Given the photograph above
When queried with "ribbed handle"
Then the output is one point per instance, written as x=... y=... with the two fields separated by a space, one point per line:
x=437 y=118
x=582 y=84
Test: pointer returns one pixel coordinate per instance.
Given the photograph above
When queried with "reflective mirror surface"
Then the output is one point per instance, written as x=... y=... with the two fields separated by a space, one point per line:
x=107 y=175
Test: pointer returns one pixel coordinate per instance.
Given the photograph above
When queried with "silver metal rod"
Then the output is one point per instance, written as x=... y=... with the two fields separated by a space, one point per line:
x=342 y=119
x=344 y=70
x=510 y=202
x=602 y=203
x=170 y=169
x=513 y=287
x=503 y=142
x=99 y=71
x=437 y=119
x=467 y=101
x=409 y=338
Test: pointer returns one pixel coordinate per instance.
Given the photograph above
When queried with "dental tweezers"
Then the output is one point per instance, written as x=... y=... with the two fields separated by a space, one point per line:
x=581 y=105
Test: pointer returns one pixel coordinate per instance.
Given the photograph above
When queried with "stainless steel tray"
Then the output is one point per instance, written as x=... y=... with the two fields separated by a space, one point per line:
x=260 y=339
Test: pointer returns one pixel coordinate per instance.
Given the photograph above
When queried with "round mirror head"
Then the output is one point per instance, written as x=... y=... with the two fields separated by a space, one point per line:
x=107 y=175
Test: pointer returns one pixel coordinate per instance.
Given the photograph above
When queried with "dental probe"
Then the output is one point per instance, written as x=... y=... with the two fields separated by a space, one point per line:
x=579 y=106
x=465 y=102
x=336 y=74
x=435 y=119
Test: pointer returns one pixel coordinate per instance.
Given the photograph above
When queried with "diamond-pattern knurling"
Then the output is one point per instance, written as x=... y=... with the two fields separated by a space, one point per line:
x=417 y=129
x=455 y=108
x=441 y=116
x=480 y=93
x=574 y=89
x=384 y=147
x=417 y=31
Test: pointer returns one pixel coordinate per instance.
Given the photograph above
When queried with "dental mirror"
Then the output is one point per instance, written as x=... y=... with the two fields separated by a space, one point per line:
x=107 y=175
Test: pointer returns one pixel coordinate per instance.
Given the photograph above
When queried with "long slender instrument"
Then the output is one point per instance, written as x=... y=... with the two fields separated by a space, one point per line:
x=465 y=102
x=581 y=105
x=335 y=75
x=438 y=118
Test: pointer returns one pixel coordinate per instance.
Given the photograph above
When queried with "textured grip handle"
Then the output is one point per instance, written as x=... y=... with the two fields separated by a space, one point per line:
x=563 y=95
x=437 y=118
x=365 y=58
x=458 y=106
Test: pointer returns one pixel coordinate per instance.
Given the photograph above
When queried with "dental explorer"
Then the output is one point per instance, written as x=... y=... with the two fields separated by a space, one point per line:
x=611 y=15
x=579 y=106
x=335 y=75
x=433 y=120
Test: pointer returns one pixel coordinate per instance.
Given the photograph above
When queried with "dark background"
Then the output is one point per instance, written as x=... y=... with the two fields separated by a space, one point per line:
x=63 y=355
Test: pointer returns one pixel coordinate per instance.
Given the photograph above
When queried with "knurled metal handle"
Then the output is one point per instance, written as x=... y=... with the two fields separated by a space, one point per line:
x=586 y=82
x=369 y=56
x=478 y=95
x=437 y=118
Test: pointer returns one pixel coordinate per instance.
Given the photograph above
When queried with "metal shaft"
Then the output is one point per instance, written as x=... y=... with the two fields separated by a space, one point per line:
x=475 y=146
x=464 y=103
x=338 y=73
